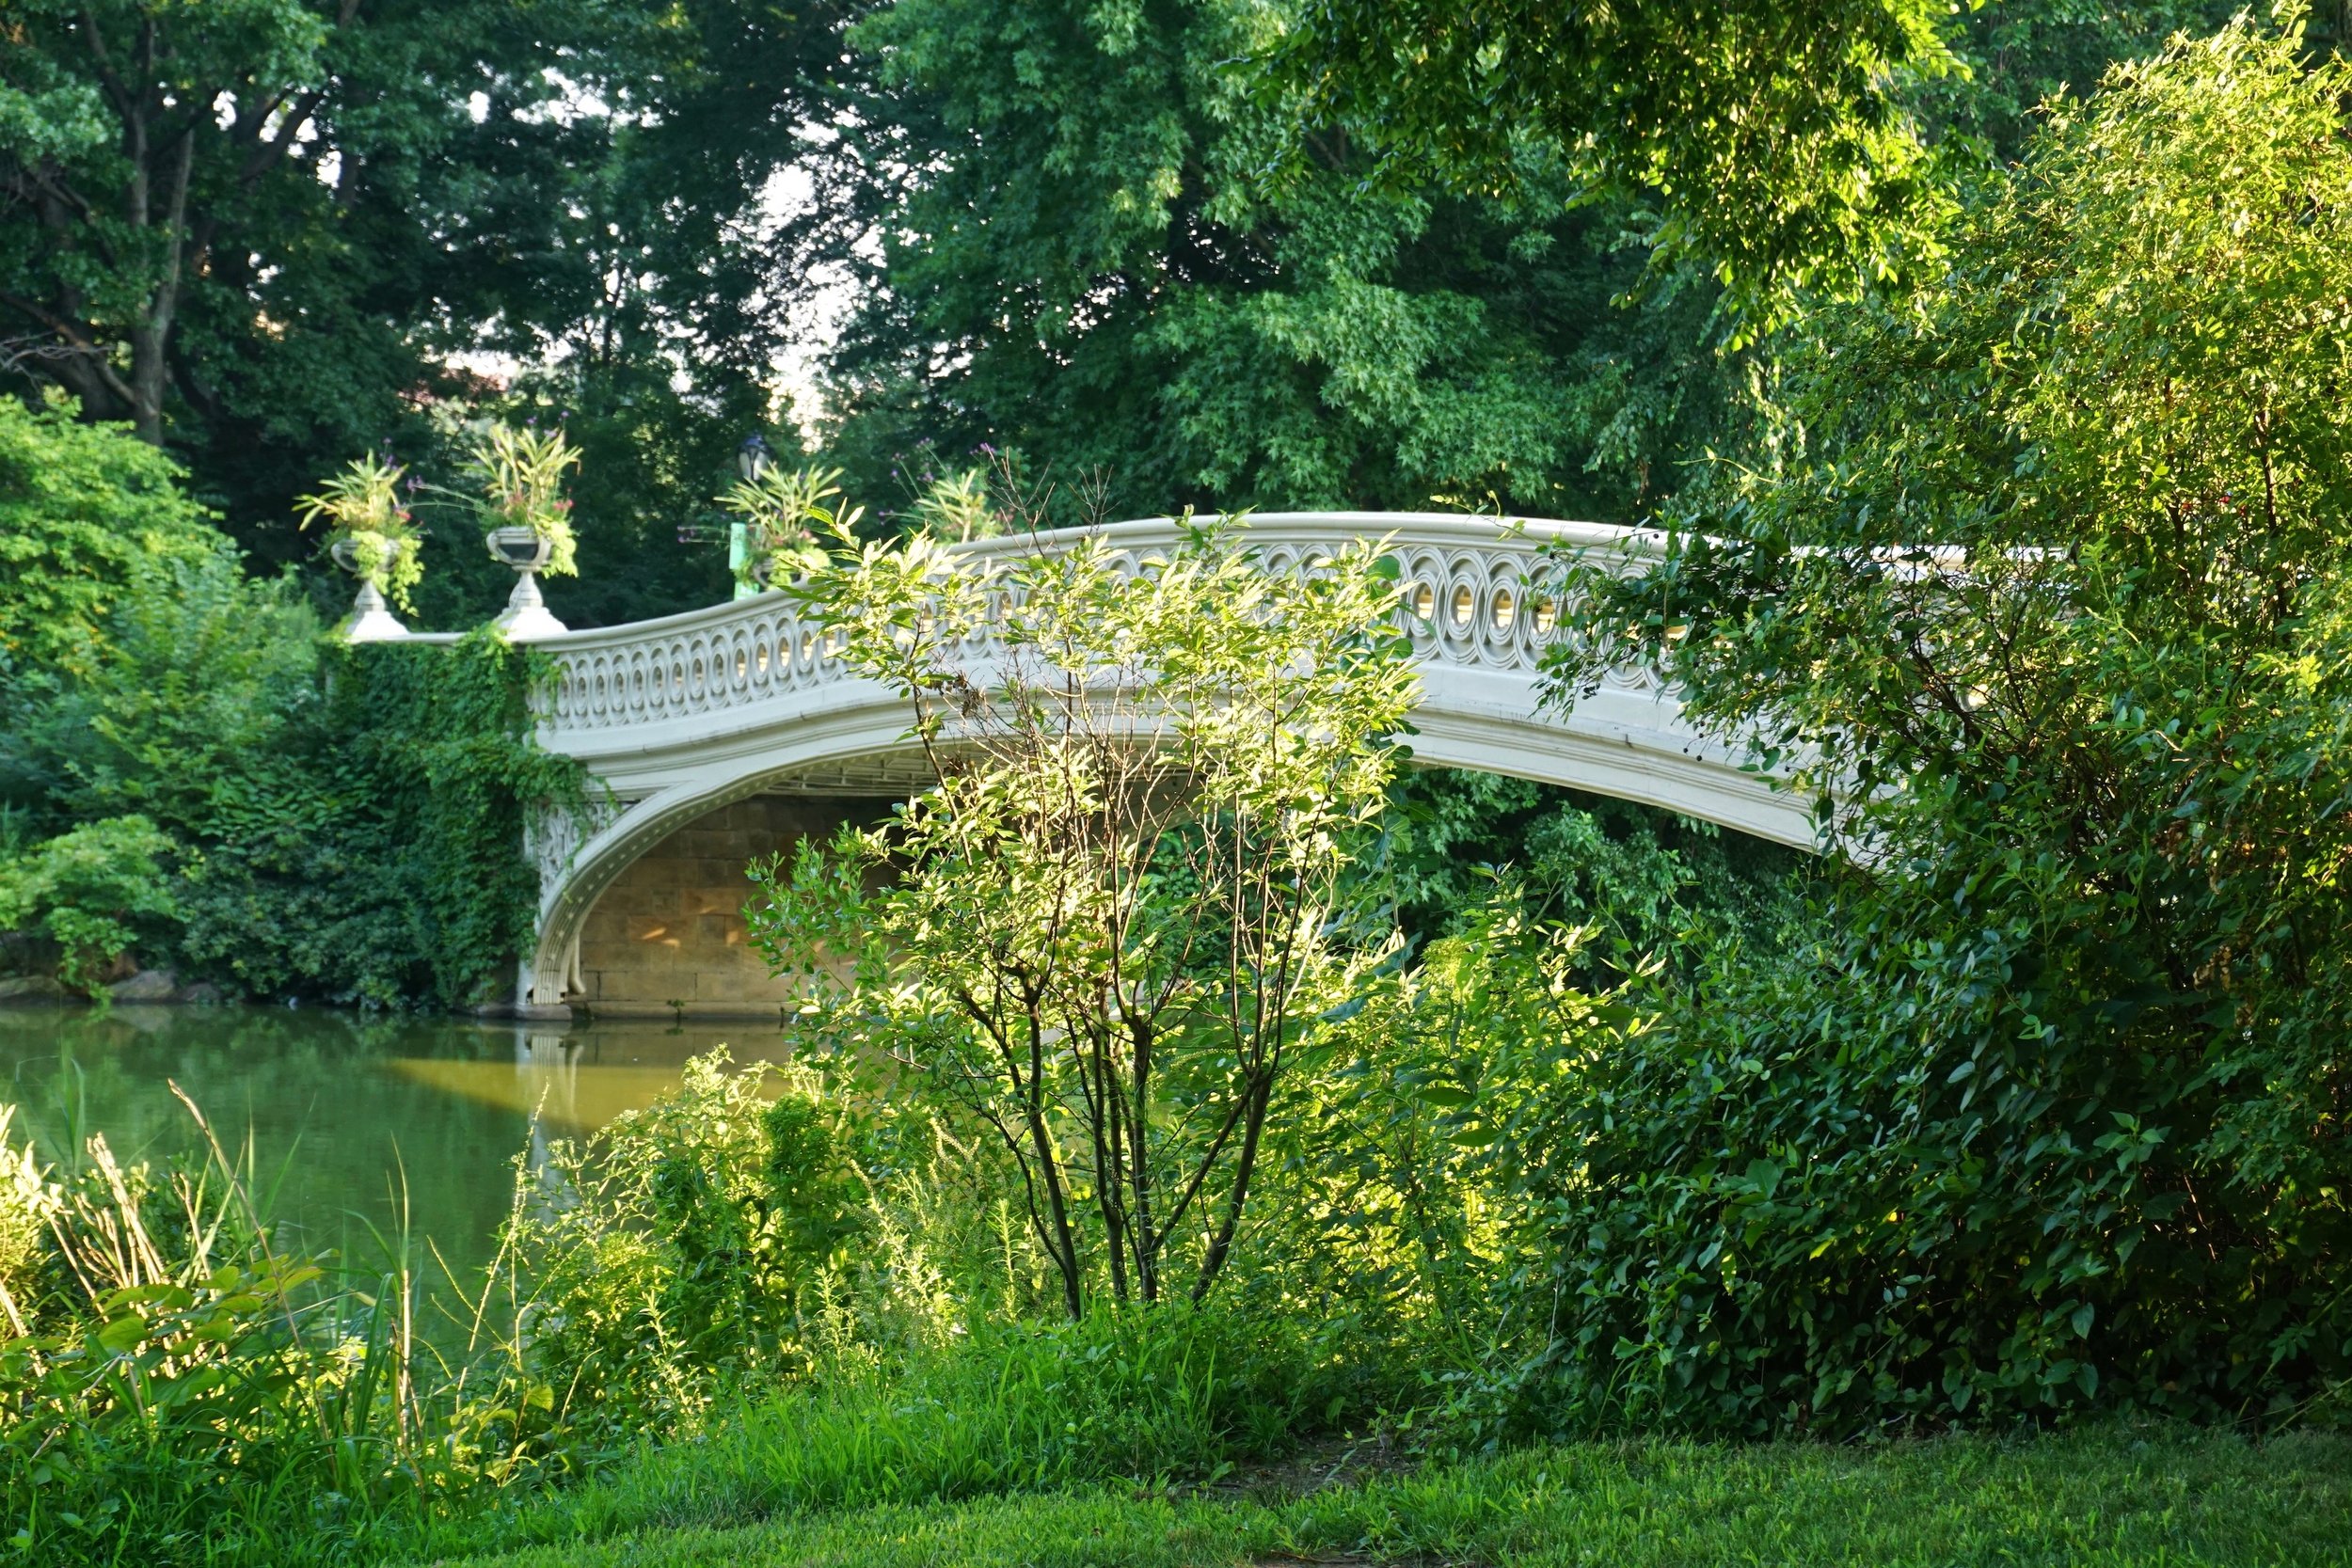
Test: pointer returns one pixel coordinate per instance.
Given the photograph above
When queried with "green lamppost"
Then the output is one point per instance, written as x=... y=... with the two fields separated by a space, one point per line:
x=751 y=460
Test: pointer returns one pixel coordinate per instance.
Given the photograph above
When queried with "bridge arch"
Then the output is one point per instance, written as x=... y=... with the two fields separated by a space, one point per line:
x=681 y=717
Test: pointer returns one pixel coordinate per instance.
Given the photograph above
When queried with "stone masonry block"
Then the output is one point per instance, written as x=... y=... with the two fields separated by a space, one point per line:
x=670 y=927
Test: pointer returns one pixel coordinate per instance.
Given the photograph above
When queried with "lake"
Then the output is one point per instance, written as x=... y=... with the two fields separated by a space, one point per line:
x=337 y=1107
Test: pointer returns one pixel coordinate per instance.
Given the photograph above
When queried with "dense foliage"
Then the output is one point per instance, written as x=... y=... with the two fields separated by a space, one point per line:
x=1078 y=256
x=2049 y=604
x=82 y=511
x=1769 y=138
x=89 y=894
x=333 y=822
x=276 y=232
x=1642 y=879
x=1092 y=273
x=680 y=1252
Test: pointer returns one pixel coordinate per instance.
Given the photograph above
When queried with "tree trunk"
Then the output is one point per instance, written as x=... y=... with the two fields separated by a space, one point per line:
x=1144 y=1227
x=150 y=339
x=1110 y=1164
x=1220 y=1244
x=1062 y=1244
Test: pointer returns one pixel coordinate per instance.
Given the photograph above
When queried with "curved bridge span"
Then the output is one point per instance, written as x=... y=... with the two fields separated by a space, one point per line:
x=680 y=717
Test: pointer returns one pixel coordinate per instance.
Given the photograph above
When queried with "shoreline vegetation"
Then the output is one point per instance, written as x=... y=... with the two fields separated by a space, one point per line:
x=214 y=1400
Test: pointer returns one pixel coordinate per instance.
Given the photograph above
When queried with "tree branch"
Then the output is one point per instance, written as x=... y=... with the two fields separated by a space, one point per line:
x=74 y=334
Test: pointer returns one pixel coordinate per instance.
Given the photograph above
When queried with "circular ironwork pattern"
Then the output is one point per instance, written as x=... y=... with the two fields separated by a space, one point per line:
x=1493 y=605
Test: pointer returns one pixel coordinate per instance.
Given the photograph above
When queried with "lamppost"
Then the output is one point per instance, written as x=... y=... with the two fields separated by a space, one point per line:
x=752 y=459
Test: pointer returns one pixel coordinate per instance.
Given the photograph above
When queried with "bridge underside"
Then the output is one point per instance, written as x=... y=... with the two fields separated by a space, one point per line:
x=667 y=938
x=645 y=920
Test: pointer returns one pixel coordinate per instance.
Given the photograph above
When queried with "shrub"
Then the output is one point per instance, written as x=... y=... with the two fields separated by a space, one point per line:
x=2049 y=598
x=673 y=1255
x=1411 y=1217
x=93 y=891
x=1097 y=940
x=1643 y=877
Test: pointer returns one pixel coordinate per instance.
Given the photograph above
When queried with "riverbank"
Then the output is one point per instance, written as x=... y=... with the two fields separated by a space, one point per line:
x=283 y=1415
x=360 y=1124
x=2115 y=1495
x=136 y=987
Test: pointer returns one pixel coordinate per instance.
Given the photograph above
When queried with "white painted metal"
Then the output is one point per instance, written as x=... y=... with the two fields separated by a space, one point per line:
x=680 y=716
x=526 y=617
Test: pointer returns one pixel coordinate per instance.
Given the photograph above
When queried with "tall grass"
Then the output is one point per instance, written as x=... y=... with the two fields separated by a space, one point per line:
x=1175 y=1394
x=176 y=1390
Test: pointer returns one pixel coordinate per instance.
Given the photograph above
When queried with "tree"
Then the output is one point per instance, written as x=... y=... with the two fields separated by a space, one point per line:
x=1772 y=141
x=1081 y=264
x=1117 y=915
x=104 y=159
x=83 y=514
x=1083 y=259
x=269 y=230
x=2019 y=54
x=2048 y=601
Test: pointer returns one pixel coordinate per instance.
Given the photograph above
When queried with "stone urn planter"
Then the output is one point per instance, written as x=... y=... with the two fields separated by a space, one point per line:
x=371 y=619
x=525 y=619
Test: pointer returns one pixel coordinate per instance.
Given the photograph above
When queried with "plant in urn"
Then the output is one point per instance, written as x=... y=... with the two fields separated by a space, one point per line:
x=374 y=538
x=782 y=512
x=528 y=519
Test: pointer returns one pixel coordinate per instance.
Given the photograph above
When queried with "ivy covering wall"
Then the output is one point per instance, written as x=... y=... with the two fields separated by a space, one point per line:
x=380 y=859
x=295 y=818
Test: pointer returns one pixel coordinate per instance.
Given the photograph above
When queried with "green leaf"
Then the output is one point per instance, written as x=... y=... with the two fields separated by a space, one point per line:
x=123 y=1333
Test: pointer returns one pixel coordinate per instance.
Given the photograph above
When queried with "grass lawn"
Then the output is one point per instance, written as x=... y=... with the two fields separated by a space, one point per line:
x=2118 y=1494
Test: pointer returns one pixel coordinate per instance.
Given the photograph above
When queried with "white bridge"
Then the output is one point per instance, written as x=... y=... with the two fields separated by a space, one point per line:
x=680 y=716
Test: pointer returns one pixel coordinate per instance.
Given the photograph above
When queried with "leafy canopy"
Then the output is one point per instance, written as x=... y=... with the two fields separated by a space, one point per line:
x=1087 y=267
x=274 y=233
x=1767 y=139
x=1083 y=259
x=83 y=514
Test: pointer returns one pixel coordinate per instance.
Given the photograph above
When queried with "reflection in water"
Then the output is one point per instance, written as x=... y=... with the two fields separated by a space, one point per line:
x=568 y=1094
x=337 y=1109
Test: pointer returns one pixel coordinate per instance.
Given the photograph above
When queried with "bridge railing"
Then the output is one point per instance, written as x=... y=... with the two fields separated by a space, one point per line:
x=1479 y=593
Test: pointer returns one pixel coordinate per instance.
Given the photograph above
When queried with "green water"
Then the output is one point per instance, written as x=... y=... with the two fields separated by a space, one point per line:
x=340 y=1108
